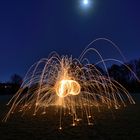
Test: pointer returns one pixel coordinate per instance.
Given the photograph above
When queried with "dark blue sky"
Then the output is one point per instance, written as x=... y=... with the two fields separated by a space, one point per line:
x=31 y=29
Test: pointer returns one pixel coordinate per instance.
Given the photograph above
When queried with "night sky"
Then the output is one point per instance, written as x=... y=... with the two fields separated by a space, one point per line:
x=31 y=29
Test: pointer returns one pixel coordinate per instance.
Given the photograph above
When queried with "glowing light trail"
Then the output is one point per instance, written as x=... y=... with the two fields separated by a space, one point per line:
x=67 y=87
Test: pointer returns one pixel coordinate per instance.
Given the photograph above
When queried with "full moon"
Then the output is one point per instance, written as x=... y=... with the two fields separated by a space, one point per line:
x=85 y=2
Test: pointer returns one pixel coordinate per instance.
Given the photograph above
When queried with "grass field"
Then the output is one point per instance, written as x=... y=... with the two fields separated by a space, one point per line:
x=122 y=124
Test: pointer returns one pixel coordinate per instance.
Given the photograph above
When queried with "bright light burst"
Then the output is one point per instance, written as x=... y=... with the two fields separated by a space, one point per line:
x=67 y=87
x=73 y=86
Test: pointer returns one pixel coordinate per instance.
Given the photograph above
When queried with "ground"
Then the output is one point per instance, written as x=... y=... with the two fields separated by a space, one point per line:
x=122 y=124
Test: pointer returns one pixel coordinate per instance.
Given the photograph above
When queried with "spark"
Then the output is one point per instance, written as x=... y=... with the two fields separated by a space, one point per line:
x=68 y=84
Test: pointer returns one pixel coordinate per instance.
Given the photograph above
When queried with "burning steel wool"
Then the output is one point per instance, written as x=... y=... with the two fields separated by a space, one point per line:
x=73 y=86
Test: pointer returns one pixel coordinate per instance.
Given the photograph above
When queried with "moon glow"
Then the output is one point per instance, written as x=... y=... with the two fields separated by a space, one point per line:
x=85 y=2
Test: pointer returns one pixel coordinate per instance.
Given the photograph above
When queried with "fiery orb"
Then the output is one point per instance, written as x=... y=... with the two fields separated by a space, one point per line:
x=67 y=87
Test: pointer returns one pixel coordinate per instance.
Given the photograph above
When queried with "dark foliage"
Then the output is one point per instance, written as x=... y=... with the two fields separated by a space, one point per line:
x=127 y=74
x=12 y=86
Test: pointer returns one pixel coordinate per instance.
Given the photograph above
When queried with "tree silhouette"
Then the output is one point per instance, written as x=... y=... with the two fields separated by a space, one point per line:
x=16 y=79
